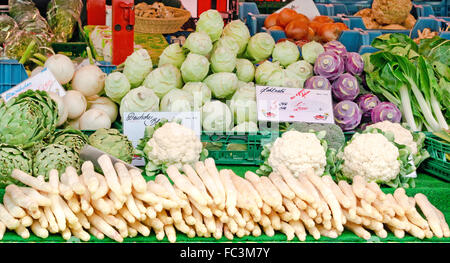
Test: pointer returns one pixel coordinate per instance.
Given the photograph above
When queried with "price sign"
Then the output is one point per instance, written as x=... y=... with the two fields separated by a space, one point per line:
x=134 y=124
x=44 y=80
x=279 y=104
x=305 y=7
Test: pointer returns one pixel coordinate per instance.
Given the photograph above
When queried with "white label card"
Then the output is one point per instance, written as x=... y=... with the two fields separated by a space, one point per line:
x=134 y=124
x=305 y=7
x=279 y=104
x=44 y=80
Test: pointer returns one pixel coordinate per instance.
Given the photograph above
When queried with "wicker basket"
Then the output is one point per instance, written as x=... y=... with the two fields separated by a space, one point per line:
x=162 y=25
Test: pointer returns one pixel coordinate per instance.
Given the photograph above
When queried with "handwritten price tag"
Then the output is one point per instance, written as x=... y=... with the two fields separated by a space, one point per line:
x=278 y=104
x=44 y=80
x=134 y=124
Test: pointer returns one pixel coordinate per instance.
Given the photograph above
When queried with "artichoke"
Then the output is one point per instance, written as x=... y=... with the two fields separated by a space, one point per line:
x=70 y=137
x=55 y=156
x=37 y=146
x=28 y=118
x=114 y=143
x=13 y=157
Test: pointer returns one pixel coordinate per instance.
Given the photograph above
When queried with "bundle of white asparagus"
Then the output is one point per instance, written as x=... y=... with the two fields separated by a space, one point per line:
x=206 y=202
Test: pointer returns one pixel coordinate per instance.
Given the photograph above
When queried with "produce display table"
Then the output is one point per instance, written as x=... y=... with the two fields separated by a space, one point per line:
x=437 y=191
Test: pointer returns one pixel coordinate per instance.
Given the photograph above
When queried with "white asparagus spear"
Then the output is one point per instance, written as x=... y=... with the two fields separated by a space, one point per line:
x=88 y=176
x=74 y=181
x=230 y=192
x=32 y=181
x=211 y=168
x=110 y=175
x=124 y=177
x=185 y=185
x=197 y=182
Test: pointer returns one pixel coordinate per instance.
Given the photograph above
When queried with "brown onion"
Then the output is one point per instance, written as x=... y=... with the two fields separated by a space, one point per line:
x=297 y=30
x=329 y=32
x=314 y=25
x=286 y=16
x=276 y=28
x=303 y=18
x=271 y=20
x=323 y=19
x=341 y=26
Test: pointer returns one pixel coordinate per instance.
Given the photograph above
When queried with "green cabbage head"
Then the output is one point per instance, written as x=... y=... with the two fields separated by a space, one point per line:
x=139 y=100
x=239 y=31
x=222 y=84
x=302 y=69
x=211 y=22
x=198 y=43
x=243 y=104
x=117 y=86
x=172 y=54
x=200 y=92
x=228 y=42
x=163 y=79
x=260 y=47
x=216 y=116
x=245 y=70
x=177 y=100
x=265 y=70
x=137 y=66
x=223 y=60
x=286 y=52
x=195 y=68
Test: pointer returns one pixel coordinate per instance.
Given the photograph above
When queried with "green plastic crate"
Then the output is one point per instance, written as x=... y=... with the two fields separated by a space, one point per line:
x=437 y=168
x=237 y=148
x=437 y=148
x=70 y=49
x=437 y=164
x=233 y=148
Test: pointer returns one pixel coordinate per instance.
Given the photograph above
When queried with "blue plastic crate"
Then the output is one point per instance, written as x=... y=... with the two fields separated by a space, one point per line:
x=422 y=23
x=445 y=22
x=367 y=49
x=106 y=67
x=325 y=9
x=353 y=40
x=437 y=8
x=176 y=34
x=251 y=16
x=340 y=9
x=277 y=34
x=255 y=23
x=245 y=8
x=351 y=7
x=445 y=35
x=356 y=22
x=11 y=74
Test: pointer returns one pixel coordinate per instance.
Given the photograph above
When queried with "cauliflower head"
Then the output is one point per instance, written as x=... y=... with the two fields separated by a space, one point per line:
x=298 y=151
x=401 y=135
x=372 y=156
x=172 y=144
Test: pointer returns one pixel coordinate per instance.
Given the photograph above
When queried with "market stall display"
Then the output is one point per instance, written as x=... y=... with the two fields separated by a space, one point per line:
x=356 y=176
